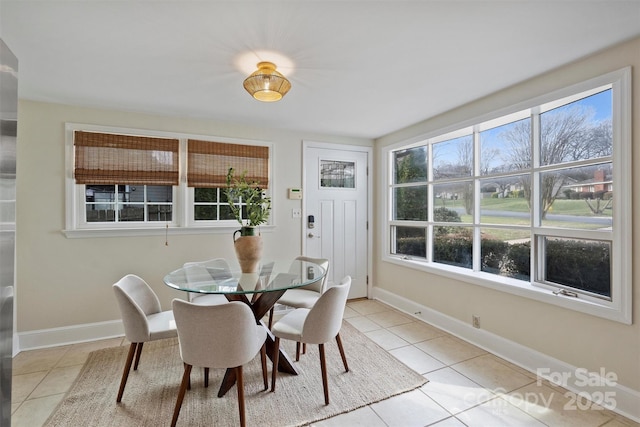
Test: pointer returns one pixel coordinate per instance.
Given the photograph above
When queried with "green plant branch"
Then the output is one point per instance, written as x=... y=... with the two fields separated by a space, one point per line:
x=240 y=192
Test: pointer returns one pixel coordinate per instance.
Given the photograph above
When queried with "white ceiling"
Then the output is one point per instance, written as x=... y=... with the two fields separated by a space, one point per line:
x=357 y=68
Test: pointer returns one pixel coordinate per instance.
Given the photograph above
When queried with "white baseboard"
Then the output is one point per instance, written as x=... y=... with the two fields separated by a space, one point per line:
x=15 y=348
x=54 y=337
x=623 y=400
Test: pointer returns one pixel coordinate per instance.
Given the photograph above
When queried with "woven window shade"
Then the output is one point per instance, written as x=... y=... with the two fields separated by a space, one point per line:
x=104 y=158
x=209 y=162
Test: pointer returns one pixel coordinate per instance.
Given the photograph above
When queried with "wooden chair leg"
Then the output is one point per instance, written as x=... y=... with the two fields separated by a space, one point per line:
x=183 y=389
x=127 y=368
x=189 y=380
x=274 y=358
x=323 y=368
x=263 y=359
x=344 y=357
x=206 y=377
x=271 y=317
x=135 y=366
x=297 y=351
x=240 y=387
x=304 y=348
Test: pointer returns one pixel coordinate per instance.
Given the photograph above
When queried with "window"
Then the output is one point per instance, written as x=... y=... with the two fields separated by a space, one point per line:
x=535 y=201
x=208 y=165
x=126 y=178
x=128 y=182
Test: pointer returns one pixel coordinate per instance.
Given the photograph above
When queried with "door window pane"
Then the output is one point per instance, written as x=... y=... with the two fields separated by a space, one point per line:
x=337 y=174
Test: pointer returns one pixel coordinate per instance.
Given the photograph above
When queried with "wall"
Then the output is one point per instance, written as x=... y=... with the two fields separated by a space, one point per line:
x=577 y=339
x=64 y=282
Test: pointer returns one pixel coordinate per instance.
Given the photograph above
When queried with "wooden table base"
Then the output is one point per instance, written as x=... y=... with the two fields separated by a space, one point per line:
x=260 y=306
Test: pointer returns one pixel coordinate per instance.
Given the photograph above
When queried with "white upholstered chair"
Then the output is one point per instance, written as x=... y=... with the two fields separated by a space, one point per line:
x=305 y=296
x=218 y=336
x=219 y=270
x=317 y=325
x=143 y=319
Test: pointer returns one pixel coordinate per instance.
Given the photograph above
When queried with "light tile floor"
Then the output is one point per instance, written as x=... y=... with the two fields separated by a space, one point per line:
x=467 y=386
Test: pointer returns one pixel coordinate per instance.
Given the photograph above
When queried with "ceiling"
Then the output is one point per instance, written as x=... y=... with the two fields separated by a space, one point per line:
x=357 y=68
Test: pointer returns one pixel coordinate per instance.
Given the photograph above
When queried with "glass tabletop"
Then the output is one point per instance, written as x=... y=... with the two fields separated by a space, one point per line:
x=218 y=278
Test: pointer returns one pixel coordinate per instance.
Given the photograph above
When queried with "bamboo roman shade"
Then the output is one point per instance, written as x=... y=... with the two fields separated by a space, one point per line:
x=105 y=158
x=209 y=162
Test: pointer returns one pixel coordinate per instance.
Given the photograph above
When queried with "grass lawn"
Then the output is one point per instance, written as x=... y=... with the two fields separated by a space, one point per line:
x=559 y=207
x=576 y=208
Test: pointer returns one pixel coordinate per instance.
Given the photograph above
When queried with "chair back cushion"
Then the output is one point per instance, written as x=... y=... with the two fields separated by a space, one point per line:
x=136 y=300
x=325 y=318
x=217 y=336
x=318 y=286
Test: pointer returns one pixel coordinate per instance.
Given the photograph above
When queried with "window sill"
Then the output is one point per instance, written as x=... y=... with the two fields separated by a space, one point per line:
x=85 y=233
x=606 y=310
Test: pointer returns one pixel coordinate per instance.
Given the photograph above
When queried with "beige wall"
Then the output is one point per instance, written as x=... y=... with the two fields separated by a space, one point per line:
x=578 y=339
x=64 y=282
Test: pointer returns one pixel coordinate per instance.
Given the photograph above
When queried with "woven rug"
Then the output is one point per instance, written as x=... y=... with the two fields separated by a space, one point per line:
x=151 y=391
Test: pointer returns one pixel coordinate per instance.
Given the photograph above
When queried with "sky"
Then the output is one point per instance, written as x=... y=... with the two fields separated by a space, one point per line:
x=447 y=152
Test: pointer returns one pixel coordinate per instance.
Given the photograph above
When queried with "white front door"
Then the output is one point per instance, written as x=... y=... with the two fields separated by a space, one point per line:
x=336 y=210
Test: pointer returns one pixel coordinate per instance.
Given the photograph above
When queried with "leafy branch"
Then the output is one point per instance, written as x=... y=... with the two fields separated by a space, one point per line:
x=239 y=193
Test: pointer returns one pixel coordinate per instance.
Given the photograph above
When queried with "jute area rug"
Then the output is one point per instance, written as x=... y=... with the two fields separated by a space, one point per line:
x=151 y=391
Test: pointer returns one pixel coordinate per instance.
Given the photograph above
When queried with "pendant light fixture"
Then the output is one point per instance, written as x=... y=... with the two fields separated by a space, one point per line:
x=266 y=84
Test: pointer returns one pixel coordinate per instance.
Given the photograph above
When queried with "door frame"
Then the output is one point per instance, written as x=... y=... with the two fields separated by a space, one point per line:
x=307 y=144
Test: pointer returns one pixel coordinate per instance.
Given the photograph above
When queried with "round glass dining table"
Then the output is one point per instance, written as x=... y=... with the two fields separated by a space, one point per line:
x=260 y=290
x=219 y=278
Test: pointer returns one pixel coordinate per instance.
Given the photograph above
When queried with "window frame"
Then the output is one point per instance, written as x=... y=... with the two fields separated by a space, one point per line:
x=183 y=196
x=619 y=307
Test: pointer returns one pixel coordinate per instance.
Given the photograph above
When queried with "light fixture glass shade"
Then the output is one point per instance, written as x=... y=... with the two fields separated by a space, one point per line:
x=266 y=84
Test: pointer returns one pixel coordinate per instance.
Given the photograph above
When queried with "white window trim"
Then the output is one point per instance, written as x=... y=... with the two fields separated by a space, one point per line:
x=619 y=309
x=183 y=195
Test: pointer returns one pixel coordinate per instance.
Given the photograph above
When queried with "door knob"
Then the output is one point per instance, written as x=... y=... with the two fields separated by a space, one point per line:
x=311 y=235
